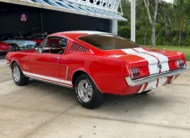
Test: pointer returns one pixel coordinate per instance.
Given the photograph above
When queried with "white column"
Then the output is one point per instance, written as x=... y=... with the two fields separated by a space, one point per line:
x=133 y=20
x=114 y=27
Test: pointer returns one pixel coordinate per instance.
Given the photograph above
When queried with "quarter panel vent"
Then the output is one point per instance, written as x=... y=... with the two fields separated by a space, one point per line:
x=78 y=48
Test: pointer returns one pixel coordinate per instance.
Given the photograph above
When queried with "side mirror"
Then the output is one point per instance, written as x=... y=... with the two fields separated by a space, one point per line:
x=38 y=49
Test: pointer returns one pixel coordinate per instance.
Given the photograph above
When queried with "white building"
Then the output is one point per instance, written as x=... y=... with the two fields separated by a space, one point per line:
x=63 y=15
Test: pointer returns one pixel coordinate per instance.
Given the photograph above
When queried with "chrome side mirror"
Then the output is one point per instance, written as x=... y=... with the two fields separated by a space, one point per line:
x=38 y=49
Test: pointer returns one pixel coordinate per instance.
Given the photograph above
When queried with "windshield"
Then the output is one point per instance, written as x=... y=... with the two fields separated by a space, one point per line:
x=108 y=41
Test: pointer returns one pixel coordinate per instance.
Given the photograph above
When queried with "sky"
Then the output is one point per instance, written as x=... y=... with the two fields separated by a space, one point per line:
x=169 y=1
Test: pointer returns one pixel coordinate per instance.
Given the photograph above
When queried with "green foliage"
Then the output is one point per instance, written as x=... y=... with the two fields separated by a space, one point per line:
x=184 y=49
x=172 y=20
x=124 y=31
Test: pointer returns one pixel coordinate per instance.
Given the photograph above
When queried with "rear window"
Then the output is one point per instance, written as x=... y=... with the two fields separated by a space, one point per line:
x=108 y=42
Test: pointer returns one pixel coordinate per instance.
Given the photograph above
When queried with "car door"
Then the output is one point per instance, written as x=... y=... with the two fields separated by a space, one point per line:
x=45 y=63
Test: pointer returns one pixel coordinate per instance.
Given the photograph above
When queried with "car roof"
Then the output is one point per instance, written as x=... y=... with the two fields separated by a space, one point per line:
x=76 y=34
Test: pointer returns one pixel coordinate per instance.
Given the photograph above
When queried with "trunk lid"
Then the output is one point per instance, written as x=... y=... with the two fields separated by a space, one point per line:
x=148 y=61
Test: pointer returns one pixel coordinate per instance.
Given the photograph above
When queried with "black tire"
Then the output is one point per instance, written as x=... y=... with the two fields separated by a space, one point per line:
x=95 y=99
x=14 y=47
x=146 y=92
x=21 y=80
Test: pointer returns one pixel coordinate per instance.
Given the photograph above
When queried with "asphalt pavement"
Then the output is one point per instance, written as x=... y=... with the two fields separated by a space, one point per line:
x=42 y=110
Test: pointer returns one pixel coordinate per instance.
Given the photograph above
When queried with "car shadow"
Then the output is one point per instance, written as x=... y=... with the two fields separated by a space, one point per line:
x=112 y=103
x=136 y=101
x=49 y=87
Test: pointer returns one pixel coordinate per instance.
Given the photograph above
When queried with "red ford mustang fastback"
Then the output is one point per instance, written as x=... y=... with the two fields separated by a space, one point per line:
x=95 y=63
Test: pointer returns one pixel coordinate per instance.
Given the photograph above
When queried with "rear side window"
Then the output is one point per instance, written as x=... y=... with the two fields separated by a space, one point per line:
x=78 y=48
x=108 y=41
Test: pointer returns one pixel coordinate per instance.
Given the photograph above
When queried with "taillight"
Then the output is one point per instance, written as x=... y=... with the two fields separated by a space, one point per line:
x=180 y=63
x=135 y=73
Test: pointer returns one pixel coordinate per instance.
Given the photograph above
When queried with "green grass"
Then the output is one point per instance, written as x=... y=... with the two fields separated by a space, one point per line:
x=184 y=49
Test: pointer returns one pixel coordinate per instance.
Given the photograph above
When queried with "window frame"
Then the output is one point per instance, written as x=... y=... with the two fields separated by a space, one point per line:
x=44 y=42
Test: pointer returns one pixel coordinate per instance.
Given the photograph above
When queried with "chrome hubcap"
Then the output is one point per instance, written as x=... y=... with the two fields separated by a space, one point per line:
x=16 y=73
x=85 y=90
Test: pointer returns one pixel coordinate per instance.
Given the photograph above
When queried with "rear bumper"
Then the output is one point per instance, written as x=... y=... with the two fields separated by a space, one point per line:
x=144 y=80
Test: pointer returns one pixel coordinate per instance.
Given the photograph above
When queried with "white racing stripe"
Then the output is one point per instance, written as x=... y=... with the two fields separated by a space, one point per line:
x=173 y=78
x=165 y=67
x=27 y=73
x=141 y=89
x=162 y=81
x=162 y=58
x=47 y=78
x=151 y=60
x=151 y=85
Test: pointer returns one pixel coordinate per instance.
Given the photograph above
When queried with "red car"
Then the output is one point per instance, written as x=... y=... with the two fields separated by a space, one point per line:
x=95 y=63
x=38 y=37
x=4 y=47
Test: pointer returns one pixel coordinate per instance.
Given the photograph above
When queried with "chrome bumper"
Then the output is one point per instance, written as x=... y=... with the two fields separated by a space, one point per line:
x=144 y=80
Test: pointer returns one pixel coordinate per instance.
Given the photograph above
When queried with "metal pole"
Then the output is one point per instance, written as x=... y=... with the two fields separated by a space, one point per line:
x=114 y=26
x=133 y=20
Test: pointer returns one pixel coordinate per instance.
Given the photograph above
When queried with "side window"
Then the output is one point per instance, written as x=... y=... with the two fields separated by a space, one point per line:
x=62 y=42
x=54 y=45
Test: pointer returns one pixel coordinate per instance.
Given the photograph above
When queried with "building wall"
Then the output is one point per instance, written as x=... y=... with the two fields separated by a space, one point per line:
x=52 y=21
x=11 y=22
x=58 y=21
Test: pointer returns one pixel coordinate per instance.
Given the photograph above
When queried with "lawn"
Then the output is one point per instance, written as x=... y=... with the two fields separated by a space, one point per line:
x=184 y=49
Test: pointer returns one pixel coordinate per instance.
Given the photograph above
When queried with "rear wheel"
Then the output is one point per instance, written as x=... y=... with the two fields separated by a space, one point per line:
x=18 y=75
x=87 y=93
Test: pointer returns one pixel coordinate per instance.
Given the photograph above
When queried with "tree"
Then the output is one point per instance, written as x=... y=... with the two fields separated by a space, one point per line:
x=182 y=11
x=172 y=23
x=152 y=19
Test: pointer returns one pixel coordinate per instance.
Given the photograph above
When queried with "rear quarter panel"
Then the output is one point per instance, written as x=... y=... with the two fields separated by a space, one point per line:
x=107 y=73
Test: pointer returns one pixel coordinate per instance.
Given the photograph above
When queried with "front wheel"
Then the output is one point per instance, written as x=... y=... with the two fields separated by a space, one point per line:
x=87 y=93
x=18 y=76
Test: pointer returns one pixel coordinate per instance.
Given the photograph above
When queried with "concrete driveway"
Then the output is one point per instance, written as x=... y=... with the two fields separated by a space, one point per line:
x=41 y=110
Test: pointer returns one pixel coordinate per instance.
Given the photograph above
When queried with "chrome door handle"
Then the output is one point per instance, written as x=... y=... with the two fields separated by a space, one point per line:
x=57 y=58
